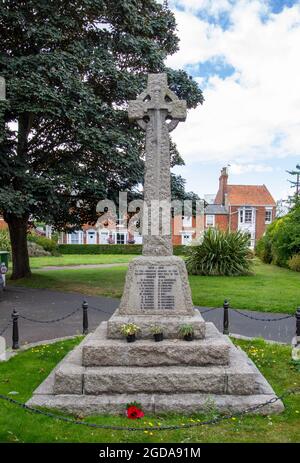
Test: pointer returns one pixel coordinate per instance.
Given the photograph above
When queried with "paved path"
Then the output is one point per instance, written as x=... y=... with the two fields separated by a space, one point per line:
x=76 y=267
x=43 y=304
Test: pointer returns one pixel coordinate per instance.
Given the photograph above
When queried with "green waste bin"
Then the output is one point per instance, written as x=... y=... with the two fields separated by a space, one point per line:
x=4 y=255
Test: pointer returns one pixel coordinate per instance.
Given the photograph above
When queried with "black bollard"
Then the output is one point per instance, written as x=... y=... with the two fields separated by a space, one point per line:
x=297 y=315
x=15 y=330
x=85 y=319
x=226 y=317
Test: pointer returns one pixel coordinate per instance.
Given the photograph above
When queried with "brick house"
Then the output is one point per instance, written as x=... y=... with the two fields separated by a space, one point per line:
x=249 y=208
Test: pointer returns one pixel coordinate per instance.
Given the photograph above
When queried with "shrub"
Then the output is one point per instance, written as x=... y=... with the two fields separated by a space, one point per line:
x=47 y=244
x=263 y=249
x=4 y=241
x=35 y=250
x=220 y=253
x=294 y=263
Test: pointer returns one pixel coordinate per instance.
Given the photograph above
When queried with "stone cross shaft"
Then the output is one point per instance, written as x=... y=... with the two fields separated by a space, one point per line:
x=2 y=89
x=157 y=111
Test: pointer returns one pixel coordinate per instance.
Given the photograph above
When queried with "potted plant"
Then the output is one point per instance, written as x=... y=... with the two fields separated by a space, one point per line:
x=129 y=330
x=187 y=332
x=157 y=332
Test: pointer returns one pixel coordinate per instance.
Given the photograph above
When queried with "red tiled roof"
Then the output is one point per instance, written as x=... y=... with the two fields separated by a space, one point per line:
x=252 y=195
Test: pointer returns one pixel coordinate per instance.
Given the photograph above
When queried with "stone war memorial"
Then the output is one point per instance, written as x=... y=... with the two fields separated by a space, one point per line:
x=105 y=373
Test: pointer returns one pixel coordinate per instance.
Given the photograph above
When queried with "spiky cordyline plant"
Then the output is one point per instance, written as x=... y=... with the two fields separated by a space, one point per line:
x=220 y=253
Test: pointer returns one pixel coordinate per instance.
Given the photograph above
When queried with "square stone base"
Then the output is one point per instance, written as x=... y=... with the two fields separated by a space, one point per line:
x=231 y=385
x=169 y=323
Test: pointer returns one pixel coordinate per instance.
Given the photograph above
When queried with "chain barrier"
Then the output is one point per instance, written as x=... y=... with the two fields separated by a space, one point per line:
x=262 y=319
x=50 y=321
x=209 y=310
x=99 y=310
x=215 y=420
x=5 y=328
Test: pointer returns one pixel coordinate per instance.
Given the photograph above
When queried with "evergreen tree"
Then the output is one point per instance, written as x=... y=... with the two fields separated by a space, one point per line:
x=70 y=67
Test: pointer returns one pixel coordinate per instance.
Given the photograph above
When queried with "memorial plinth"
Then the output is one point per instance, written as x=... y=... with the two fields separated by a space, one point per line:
x=104 y=373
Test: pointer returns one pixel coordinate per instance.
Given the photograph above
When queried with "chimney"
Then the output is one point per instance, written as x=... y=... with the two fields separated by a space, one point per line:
x=223 y=185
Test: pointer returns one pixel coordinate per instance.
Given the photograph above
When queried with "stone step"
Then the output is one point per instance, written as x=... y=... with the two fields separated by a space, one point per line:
x=239 y=377
x=165 y=379
x=155 y=403
x=100 y=351
x=148 y=353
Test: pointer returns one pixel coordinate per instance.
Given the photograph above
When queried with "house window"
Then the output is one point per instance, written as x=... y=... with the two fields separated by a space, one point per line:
x=248 y=215
x=74 y=238
x=268 y=216
x=241 y=215
x=210 y=220
x=121 y=238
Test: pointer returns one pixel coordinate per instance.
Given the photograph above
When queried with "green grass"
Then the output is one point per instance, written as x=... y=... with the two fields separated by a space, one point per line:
x=269 y=289
x=77 y=259
x=24 y=372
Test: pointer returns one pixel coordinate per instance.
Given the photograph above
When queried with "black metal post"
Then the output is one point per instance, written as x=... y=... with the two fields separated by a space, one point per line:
x=85 y=318
x=226 y=317
x=15 y=330
x=297 y=315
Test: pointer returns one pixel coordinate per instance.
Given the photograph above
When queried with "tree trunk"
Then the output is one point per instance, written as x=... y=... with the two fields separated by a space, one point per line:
x=18 y=237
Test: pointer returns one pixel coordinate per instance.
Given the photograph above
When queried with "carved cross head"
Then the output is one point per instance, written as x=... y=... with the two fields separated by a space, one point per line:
x=157 y=97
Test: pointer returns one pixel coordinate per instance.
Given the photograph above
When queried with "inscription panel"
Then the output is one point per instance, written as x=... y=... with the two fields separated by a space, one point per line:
x=158 y=287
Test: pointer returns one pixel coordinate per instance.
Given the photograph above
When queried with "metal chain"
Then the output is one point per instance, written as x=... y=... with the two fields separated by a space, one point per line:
x=5 y=328
x=262 y=319
x=209 y=310
x=99 y=310
x=152 y=428
x=50 y=321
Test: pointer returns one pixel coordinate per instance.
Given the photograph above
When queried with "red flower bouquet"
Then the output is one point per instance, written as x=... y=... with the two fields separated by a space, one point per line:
x=134 y=412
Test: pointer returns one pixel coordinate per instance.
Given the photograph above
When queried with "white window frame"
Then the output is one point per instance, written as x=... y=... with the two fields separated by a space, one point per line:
x=268 y=210
x=78 y=233
x=248 y=210
x=210 y=225
x=120 y=233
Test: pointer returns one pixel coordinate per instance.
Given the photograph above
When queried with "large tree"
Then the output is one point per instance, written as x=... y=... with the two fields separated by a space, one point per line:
x=70 y=67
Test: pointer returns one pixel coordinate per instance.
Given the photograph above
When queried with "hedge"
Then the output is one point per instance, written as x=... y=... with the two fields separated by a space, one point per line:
x=109 y=249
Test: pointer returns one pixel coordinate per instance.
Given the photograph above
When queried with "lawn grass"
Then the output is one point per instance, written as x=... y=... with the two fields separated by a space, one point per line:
x=24 y=372
x=269 y=289
x=79 y=259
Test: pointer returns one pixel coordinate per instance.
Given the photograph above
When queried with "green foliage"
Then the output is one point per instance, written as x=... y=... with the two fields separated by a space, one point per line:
x=282 y=239
x=109 y=249
x=156 y=329
x=47 y=244
x=70 y=68
x=4 y=241
x=220 y=253
x=263 y=249
x=186 y=330
x=294 y=263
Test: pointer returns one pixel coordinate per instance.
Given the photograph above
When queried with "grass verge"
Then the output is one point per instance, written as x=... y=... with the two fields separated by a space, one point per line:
x=24 y=372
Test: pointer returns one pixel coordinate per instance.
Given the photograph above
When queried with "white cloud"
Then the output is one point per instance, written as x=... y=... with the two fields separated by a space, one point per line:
x=253 y=114
x=239 y=169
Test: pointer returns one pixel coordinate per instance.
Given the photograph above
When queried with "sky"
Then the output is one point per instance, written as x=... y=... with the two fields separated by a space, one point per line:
x=245 y=56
